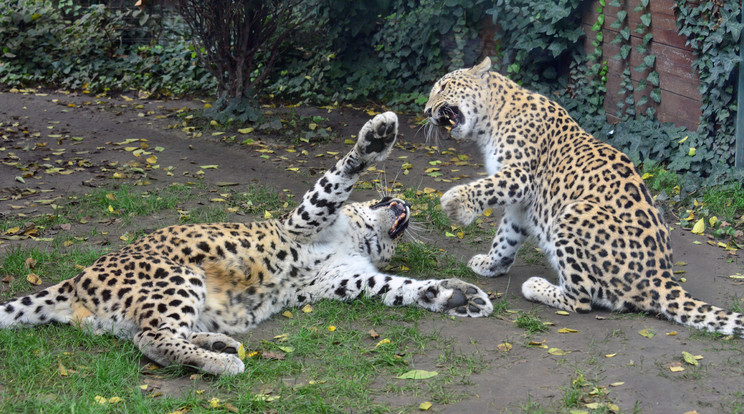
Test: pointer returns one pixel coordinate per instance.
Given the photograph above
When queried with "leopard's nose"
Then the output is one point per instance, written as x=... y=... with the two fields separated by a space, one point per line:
x=427 y=112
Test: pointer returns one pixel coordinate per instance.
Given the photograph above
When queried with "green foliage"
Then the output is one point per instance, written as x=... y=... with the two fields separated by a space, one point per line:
x=713 y=30
x=536 y=35
x=391 y=51
x=94 y=50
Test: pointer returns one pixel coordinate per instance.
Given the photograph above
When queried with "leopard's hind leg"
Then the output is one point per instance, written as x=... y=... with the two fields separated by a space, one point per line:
x=585 y=261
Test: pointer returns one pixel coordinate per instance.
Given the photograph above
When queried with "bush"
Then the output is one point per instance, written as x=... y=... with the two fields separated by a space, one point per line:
x=94 y=51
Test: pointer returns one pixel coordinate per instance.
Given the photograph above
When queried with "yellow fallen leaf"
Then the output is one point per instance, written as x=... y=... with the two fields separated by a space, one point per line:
x=689 y=358
x=214 y=403
x=425 y=406
x=558 y=351
x=563 y=313
x=537 y=344
x=673 y=333
x=648 y=333
x=383 y=342
x=209 y=167
x=676 y=368
x=114 y=400
x=288 y=314
x=241 y=352
x=617 y=384
x=487 y=212
x=267 y=214
x=692 y=151
x=417 y=374
x=34 y=279
x=505 y=347
x=610 y=355
x=307 y=309
x=699 y=227
x=282 y=337
x=683 y=139
x=143 y=387
x=246 y=130
x=567 y=330
x=100 y=400
x=331 y=328
x=62 y=370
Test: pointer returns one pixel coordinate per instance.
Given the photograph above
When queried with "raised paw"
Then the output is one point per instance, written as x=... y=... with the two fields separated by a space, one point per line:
x=377 y=136
x=457 y=207
x=458 y=298
x=484 y=265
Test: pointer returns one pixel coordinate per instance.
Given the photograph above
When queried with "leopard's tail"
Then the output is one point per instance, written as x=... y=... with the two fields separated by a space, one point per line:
x=53 y=304
x=681 y=307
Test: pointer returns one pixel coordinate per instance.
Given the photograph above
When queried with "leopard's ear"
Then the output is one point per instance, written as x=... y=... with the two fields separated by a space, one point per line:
x=481 y=69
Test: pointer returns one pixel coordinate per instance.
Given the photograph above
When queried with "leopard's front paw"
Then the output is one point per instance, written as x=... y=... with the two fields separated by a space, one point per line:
x=377 y=137
x=484 y=265
x=457 y=207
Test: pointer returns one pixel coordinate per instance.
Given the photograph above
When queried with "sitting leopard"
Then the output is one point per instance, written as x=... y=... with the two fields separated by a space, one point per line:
x=180 y=291
x=581 y=199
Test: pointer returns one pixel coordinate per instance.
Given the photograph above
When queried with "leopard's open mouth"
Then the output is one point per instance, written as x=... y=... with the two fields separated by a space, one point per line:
x=450 y=117
x=402 y=212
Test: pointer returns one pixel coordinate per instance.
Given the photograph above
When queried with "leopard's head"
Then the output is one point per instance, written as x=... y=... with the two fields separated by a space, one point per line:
x=458 y=100
x=376 y=227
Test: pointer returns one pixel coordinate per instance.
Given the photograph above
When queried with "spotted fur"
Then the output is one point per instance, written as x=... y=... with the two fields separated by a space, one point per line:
x=180 y=291
x=581 y=199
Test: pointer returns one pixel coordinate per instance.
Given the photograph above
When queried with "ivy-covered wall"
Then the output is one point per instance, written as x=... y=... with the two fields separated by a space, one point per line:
x=672 y=65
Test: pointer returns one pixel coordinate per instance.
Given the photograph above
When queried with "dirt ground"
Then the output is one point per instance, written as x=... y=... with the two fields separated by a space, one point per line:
x=608 y=349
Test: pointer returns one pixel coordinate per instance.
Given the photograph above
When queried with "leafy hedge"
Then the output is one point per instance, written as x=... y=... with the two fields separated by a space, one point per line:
x=387 y=51
x=93 y=51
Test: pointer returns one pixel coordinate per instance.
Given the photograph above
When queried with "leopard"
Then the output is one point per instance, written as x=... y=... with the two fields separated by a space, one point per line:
x=582 y=201
x=182 y=292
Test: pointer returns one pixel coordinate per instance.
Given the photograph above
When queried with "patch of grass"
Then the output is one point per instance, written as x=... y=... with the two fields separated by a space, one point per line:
x=425 y=208
x=51 y=266
x=531 y=323
x=426 y=261
x=529 y=253
x=582 y=391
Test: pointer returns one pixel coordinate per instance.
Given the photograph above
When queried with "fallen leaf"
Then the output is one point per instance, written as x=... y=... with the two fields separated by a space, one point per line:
x=610 y=355
x=567 y=330
x=273 y=355
x=617 y=384
x=648 y=333
x=114 y=400
x=505 y=347
x=287 y=349
x=424 y=406
x=307 y=309
x=558 y=351
x=560 y=312
x=34 y=279
x=62 y=370
x=383 y=342
x=241 y=352
x=673 y=333
x=30 y=262
x=418 y=374
x=288 y=314
x=209 y=167
x=689 y=358
x=373 y=334
x=100 y=400
x=331 y=328
x=699 y=227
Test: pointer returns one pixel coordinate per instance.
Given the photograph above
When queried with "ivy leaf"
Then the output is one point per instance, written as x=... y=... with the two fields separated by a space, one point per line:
x=653 y=78
x=649 y=60
x=625 y=33
x=655 y=94
x=646 y=19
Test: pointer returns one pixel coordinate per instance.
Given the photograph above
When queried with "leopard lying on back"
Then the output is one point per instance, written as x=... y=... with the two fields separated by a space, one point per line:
x=180 y=291
x=581 y=199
